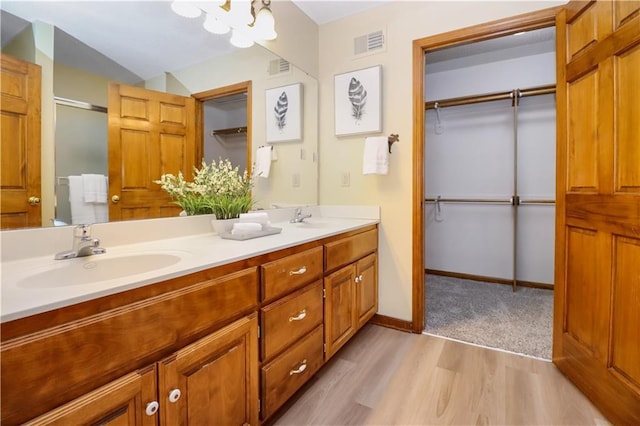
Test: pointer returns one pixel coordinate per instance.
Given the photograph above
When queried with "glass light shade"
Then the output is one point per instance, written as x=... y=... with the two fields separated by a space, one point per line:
x=264 y=26
x=240 y=13
x=240 y=39
x=185 y=8
x=214 y=25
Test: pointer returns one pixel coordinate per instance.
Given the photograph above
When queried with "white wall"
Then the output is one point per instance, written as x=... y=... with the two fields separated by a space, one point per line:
x=404 y=22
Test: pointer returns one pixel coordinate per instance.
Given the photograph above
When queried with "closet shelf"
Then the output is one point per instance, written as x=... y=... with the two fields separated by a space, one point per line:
x=229 y=131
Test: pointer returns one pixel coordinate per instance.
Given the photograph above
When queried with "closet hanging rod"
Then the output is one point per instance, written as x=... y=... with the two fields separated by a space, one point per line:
x=467 y=100
x=508 y=201
x=546 y=202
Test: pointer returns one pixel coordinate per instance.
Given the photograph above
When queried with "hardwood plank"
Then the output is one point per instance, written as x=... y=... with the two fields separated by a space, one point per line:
x=384 y=377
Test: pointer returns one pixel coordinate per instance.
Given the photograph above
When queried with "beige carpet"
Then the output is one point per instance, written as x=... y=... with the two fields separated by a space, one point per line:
x=490 y=315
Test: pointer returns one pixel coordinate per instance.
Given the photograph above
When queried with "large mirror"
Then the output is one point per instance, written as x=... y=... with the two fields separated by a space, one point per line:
x=74 y=95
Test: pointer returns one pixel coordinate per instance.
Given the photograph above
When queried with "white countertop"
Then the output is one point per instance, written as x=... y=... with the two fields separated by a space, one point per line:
x=195 y=252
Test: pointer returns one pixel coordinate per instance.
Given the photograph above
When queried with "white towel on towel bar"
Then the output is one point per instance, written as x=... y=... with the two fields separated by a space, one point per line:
x=263 y=161
x=81 y=212
x=95 y=188
x=375 y=160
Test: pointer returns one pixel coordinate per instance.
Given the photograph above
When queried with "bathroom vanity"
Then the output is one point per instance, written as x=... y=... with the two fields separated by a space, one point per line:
x=225 y=335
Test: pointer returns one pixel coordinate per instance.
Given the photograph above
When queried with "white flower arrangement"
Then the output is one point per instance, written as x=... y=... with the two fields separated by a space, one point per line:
x=216 y=188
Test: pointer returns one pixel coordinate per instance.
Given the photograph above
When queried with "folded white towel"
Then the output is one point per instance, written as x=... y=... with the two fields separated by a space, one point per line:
x=376 y=155
x=81 y=212
x=95 y=188
x=245 y=228
x=256 y=217
x=263 y=161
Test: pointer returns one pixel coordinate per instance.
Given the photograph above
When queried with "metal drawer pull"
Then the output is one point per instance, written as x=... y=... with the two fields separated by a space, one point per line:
x=303 y=366
x=301 y=315
x=299 y=271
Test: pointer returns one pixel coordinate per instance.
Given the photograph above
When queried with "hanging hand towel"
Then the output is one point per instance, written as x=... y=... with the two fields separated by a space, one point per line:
x=81 y=212
x=95 y=188
x=263 y=161
x=376 y=156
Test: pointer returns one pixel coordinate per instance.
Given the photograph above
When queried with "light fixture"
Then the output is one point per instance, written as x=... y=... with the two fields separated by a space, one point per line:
x=248 y=20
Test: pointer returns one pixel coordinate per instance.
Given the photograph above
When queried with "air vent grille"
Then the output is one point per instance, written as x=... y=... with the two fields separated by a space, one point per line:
x=370 y=43
x=279 y=66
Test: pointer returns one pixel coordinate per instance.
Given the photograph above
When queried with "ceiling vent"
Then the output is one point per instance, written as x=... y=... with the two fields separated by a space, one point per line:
x=279 y=66
x=370 y=43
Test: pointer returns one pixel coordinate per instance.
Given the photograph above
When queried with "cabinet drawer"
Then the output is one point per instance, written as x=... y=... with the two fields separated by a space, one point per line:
x=346 y=250
x=288 y=319
x=284 y=275
x=287 y=373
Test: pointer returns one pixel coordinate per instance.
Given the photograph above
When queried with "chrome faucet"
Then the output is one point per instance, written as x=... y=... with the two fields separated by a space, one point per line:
x=298 y=217
x=83 y=244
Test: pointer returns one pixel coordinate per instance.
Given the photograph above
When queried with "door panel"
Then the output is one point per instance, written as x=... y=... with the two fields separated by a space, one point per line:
x=20 y=104
x=628 y=132
x=150 y=134
x=217 y=378
x=582 y=140
x=625 y=347
x=597 y=303
x=339 y=309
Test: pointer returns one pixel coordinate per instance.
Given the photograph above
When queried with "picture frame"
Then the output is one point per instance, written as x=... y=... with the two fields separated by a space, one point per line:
x=358 y=101
x=284 y=113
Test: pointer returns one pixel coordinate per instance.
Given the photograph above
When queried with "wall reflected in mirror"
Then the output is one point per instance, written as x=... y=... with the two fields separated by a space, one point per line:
x=80 y=136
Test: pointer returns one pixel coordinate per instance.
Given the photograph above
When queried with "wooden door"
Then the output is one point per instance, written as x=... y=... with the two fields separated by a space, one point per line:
x=367 y=288
x=126 y=401
x=597 y=292
x=150 y=133
x=340 y=316
x=20 y=105
x=213 y=381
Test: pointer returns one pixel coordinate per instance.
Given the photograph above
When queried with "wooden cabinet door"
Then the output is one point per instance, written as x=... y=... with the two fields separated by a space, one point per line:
x=367 y=288
x=597 y=283
x=340 y=316
x=149 y=134
x=130 y=401
x=213 y=381
x=20 y=144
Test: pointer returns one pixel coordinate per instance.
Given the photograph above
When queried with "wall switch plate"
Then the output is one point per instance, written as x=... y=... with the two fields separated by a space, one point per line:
x=346 y=179
x=303 y=154
x=295 y=180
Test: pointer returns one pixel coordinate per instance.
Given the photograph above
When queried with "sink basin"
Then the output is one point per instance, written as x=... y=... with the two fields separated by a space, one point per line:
x=91 y=269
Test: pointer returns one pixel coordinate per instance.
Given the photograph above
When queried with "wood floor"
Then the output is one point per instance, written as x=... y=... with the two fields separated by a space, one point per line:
x=387 y=377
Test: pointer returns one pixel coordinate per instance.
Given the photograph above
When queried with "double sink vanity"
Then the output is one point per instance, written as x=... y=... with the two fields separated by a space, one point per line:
x=174 y=325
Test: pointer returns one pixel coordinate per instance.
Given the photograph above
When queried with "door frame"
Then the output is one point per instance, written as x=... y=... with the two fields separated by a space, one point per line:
x=503 y=27
x=220 y=92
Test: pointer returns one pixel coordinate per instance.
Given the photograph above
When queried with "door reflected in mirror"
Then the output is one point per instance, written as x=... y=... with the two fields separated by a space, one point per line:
x=77 y=143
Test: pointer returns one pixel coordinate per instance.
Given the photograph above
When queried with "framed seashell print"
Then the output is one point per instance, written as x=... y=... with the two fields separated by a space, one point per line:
x=284 y=113
x=358 y=101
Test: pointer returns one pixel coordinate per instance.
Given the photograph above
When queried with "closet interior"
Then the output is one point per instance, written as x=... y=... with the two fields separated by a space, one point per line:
x=490 y=169
x=225 y=129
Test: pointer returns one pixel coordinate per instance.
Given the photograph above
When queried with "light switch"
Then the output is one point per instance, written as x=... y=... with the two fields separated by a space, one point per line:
x=346 y=179
x=295 y=180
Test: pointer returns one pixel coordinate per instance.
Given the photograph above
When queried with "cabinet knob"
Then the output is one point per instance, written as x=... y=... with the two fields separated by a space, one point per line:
x=300 y=369
x=174 y=395
x=361 y=277
x=301 y=315
x=34 y=201
x=299 y=271
x=357 y=279
x=115 y=199
x=152 y=408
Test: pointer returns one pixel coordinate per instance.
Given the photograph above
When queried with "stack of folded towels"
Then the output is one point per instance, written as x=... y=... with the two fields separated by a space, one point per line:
x=250 y=223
